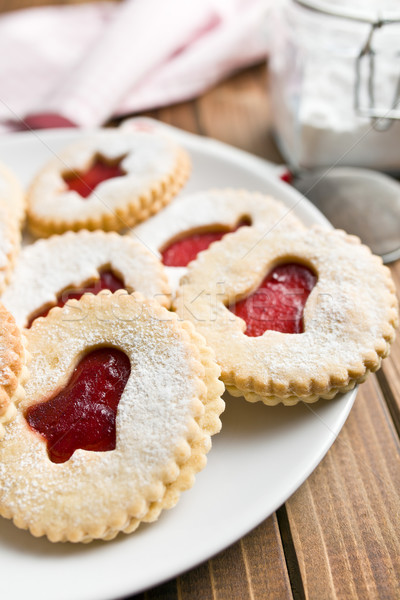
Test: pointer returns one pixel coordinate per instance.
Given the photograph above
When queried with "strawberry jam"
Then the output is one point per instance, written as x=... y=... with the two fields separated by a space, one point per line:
x=100 y=170
x=107 y=281
x=279 y=301
x=182 y=252
x=83 y=414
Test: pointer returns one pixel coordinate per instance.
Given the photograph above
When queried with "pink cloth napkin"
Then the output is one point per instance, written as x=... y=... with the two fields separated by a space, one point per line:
x=81 y=65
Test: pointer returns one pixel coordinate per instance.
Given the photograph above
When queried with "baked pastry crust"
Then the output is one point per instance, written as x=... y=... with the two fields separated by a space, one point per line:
x=212 y=210
x=167 y=414
x=156 y=169
x=349 y=317
x=12 y=195
x=10 y=239
x=12 y=215
x=47 y=267
x=13 y=371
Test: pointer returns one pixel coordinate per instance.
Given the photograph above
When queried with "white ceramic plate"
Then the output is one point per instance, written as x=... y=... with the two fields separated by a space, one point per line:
x=258 y=460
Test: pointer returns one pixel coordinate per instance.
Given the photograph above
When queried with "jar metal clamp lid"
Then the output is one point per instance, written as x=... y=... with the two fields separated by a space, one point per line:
x=381 y=118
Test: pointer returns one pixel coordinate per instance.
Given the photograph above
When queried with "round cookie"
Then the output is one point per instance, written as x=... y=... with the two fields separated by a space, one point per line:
x=12 y=214
x=349 y=316
x=12 y=196
x=204 y=217
x=73 y=261
x=10 y=239
x=110 y=180
x=167 y=413
x=13 y=371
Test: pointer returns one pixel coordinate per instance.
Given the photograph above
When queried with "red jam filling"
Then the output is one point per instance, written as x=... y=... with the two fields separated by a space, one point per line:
x=287 y=177
x=279 y=301
x=85 y=182
x=107 y=281
x=182 y=252
x=83 y=414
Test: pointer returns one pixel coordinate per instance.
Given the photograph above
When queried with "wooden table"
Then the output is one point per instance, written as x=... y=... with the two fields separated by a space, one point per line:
x=338 y=536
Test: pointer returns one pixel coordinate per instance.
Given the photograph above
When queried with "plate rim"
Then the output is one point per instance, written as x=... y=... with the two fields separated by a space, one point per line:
x=268 y=171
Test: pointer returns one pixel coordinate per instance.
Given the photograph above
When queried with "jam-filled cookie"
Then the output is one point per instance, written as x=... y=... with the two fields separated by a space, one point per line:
x=296 y=316
x=12 y=214
x=193 y=222
x=110 y=180
x=50 y=272
x=120 y=407
x=12 y=196
x=13 y=371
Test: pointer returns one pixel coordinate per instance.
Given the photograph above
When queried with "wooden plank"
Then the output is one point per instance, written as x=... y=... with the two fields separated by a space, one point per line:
x=228 y=575
x=8 y=5
x=345 y=518
x=166 y=591
x=182 y=115
x=292 y=562
x=196 y=584
x=265 y=562
x=252 y=569
x=237 y=112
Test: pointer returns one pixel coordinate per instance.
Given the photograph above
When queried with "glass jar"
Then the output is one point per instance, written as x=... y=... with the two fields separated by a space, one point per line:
x=335 y=82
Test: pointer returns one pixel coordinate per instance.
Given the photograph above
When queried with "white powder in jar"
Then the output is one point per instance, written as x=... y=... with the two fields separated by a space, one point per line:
x=313 y=77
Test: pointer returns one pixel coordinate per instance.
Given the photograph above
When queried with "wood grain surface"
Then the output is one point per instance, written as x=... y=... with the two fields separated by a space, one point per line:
x=10 y=5
x=338 y=536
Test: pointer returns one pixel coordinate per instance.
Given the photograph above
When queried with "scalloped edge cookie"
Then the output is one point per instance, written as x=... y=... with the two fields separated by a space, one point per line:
x=349 y=318
x=12 y=215
x=166 y=417
x=13 y=371
x=210 y=210
x=10 y=188
x=156 y=169
x=49 y=266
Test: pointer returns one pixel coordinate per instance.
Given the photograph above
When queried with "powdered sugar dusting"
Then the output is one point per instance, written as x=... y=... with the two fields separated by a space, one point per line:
x=345 y=316
x=12 y=358
x=154 y=414
x=195 y=212
x=11 y=215
x=12 y=197
x=149 y=157
x=47 y=267
x=8 y=246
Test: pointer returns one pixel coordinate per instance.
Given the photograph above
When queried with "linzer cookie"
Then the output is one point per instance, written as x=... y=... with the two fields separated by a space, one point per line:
x=12 y=214
x=12 y=196
x=298 y=315
x=111 y=180
x=9 y=246
x=119 y=412
x=52 y=271
x=13 y=371
x=191 y=223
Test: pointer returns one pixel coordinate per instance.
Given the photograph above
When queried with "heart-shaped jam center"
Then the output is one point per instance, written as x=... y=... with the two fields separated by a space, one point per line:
x=279 y=301
x=100 y=170
x=83 y=414
x=183 y=251
x=107 y=281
